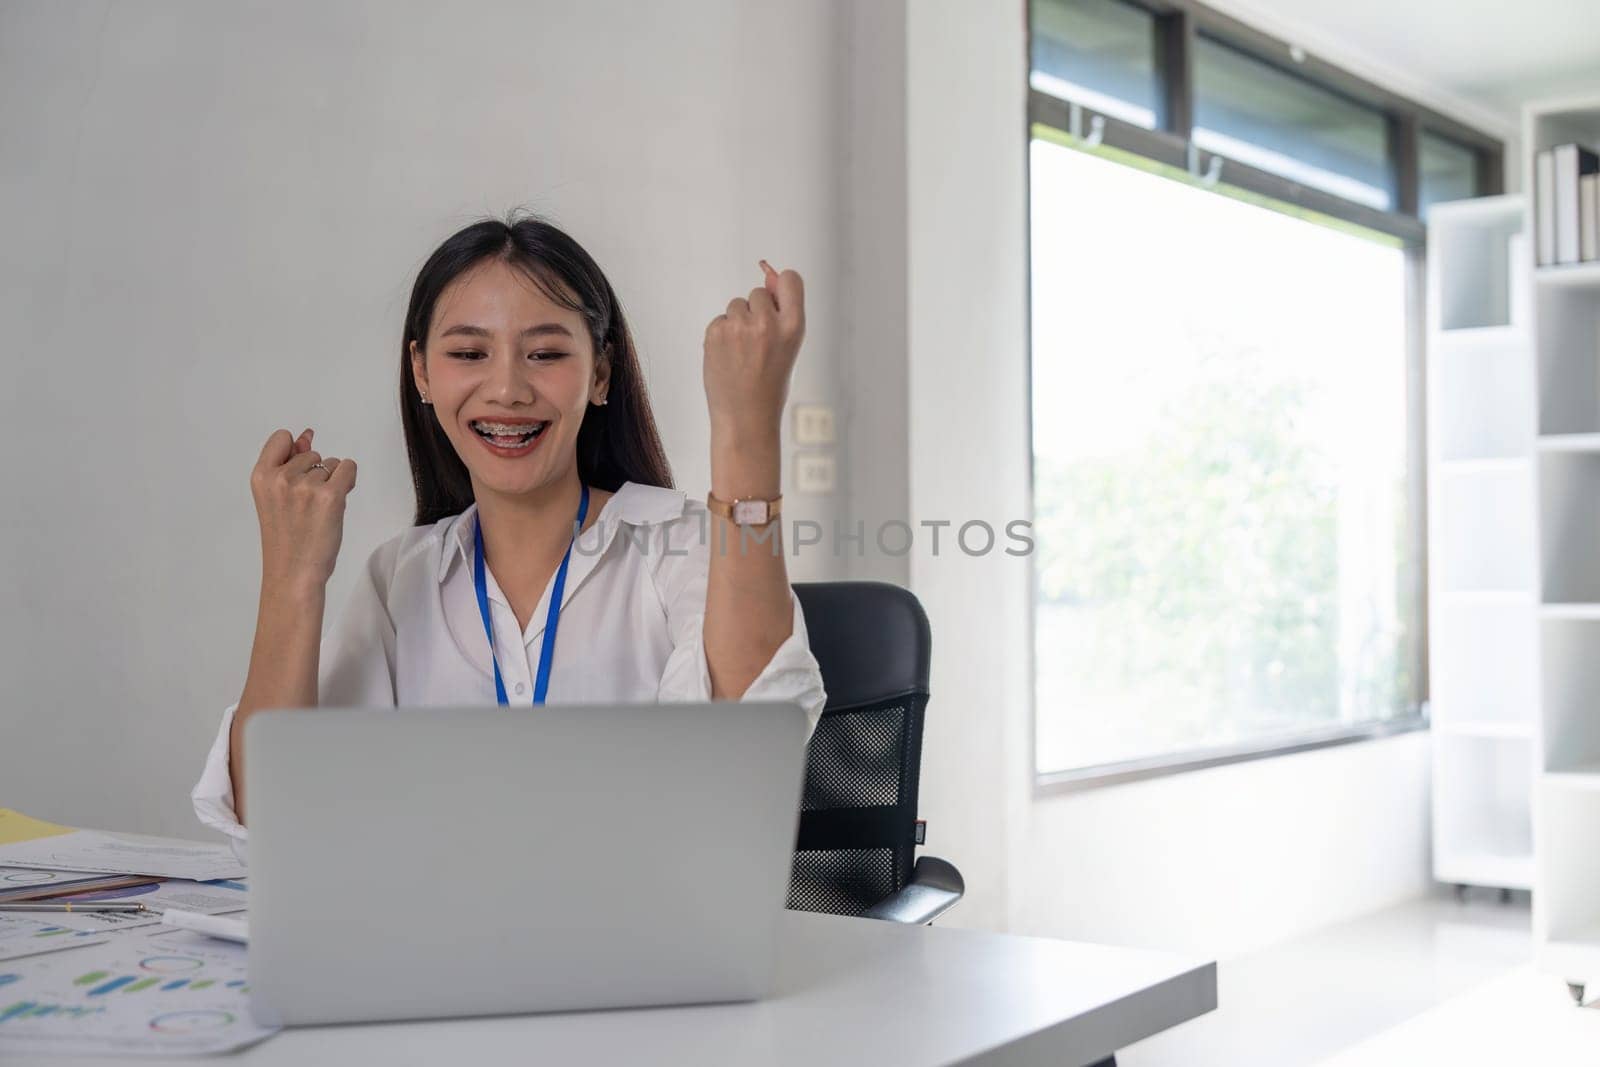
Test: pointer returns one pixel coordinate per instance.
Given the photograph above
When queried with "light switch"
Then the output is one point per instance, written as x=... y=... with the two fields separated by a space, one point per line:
x=813 y=424
x=814 y=472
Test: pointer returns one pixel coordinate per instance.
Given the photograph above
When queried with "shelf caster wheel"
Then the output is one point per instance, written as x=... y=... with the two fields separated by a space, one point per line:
x=1576 y=991
x=1505 y=896
x=1461 y=893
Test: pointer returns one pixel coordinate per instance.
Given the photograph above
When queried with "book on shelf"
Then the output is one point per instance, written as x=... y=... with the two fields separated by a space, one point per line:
x=1570 y=163
x=1544 y=206
x=1589 y=217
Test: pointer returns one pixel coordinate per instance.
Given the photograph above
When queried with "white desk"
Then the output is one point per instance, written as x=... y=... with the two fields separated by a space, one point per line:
x=850 y=991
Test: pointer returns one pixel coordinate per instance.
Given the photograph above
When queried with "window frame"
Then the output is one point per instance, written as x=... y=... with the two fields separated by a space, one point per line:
x=1176 y=24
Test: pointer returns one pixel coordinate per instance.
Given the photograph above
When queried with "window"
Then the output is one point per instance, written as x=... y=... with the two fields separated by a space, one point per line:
x=1226 y=238
x=1100 y=52
x=1449 y=171
x=1224 y=533
x=1181 y=84
x=1254 y=113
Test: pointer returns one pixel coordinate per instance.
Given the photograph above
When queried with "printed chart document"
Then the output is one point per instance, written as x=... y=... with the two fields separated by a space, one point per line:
x=28 y=842
x=22 y=935
x=209 y=898
x=167 y=993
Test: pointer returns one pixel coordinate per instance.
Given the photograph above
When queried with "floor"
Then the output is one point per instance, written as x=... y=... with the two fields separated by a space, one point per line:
x=1434 y=980
x=1521 y=1018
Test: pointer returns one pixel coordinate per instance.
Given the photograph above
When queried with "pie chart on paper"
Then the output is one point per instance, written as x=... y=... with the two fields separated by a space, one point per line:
x=188 y=1022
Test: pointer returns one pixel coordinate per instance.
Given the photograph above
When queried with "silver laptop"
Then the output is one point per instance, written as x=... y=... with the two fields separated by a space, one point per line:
x=424 y=862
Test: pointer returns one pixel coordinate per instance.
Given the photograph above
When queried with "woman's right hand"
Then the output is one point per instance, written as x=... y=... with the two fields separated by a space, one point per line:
x=301 y=509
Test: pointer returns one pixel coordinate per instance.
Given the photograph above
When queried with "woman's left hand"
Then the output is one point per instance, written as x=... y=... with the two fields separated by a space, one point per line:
x=750 y=353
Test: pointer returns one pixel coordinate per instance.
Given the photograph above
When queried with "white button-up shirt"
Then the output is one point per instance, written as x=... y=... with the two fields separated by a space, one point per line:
x=631 y=632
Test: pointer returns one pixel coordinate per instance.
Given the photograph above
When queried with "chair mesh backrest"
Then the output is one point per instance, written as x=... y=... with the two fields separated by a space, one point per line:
x=858 y=809
x=842 y=881
x=856 y=759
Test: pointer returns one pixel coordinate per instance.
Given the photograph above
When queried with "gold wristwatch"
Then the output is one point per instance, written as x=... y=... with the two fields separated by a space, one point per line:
x=745 y=512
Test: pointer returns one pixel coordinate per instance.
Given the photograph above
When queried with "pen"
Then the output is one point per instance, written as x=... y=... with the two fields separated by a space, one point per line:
x=88 y=905
x=223 y=926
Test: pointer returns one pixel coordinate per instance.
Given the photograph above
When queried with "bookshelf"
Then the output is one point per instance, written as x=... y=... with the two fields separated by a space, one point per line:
x=1566 y=808
x=1483 y=540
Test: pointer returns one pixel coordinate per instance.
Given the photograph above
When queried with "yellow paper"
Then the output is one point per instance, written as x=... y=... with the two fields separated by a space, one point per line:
x=15 y=826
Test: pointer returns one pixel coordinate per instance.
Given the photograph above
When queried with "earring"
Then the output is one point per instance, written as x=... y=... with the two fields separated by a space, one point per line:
x=425 y=399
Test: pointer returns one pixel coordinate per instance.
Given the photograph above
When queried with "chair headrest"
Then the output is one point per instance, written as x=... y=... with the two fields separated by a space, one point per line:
x=871 y=640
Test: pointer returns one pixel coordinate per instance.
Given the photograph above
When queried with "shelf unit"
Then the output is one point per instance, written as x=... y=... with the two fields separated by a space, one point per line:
x=1483 y=456
x=1566 y=805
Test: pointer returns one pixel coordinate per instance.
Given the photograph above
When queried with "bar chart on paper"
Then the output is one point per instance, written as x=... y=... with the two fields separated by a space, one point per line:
x=20 y=936
x=141 y=993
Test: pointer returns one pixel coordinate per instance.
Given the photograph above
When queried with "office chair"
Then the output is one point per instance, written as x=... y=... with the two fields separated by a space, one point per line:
x=858 y=812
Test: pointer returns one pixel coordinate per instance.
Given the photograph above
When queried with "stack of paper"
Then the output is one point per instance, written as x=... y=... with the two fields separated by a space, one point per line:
x=26 y=842
x=86 y=982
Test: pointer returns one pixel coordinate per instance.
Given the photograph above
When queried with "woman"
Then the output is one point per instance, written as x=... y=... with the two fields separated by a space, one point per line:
x=544 y=506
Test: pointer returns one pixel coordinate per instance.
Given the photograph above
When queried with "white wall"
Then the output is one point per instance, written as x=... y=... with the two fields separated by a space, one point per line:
x=213 y=214
x=965 y=93
x=873 y=356
x=1478 y=61
x=1216 y=861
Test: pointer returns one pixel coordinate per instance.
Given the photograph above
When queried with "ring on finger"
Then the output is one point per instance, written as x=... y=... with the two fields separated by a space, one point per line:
x=322 y=466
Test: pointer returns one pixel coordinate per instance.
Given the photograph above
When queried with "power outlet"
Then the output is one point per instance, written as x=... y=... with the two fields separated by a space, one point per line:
x=814 y=472
x=813 y=424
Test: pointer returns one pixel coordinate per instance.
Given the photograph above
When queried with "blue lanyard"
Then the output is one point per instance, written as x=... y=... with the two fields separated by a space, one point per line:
x=552 y=615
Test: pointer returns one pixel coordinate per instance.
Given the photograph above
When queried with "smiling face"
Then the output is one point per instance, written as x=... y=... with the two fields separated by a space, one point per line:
x=510 y=374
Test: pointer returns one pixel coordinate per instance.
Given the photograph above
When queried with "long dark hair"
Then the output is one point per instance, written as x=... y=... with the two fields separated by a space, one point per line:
x=617 y=442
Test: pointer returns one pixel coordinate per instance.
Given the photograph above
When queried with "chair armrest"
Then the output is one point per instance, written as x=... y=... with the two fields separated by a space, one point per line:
x=934 y=887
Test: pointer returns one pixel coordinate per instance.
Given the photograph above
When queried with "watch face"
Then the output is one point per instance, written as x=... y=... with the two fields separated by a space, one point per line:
x=750 y=512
